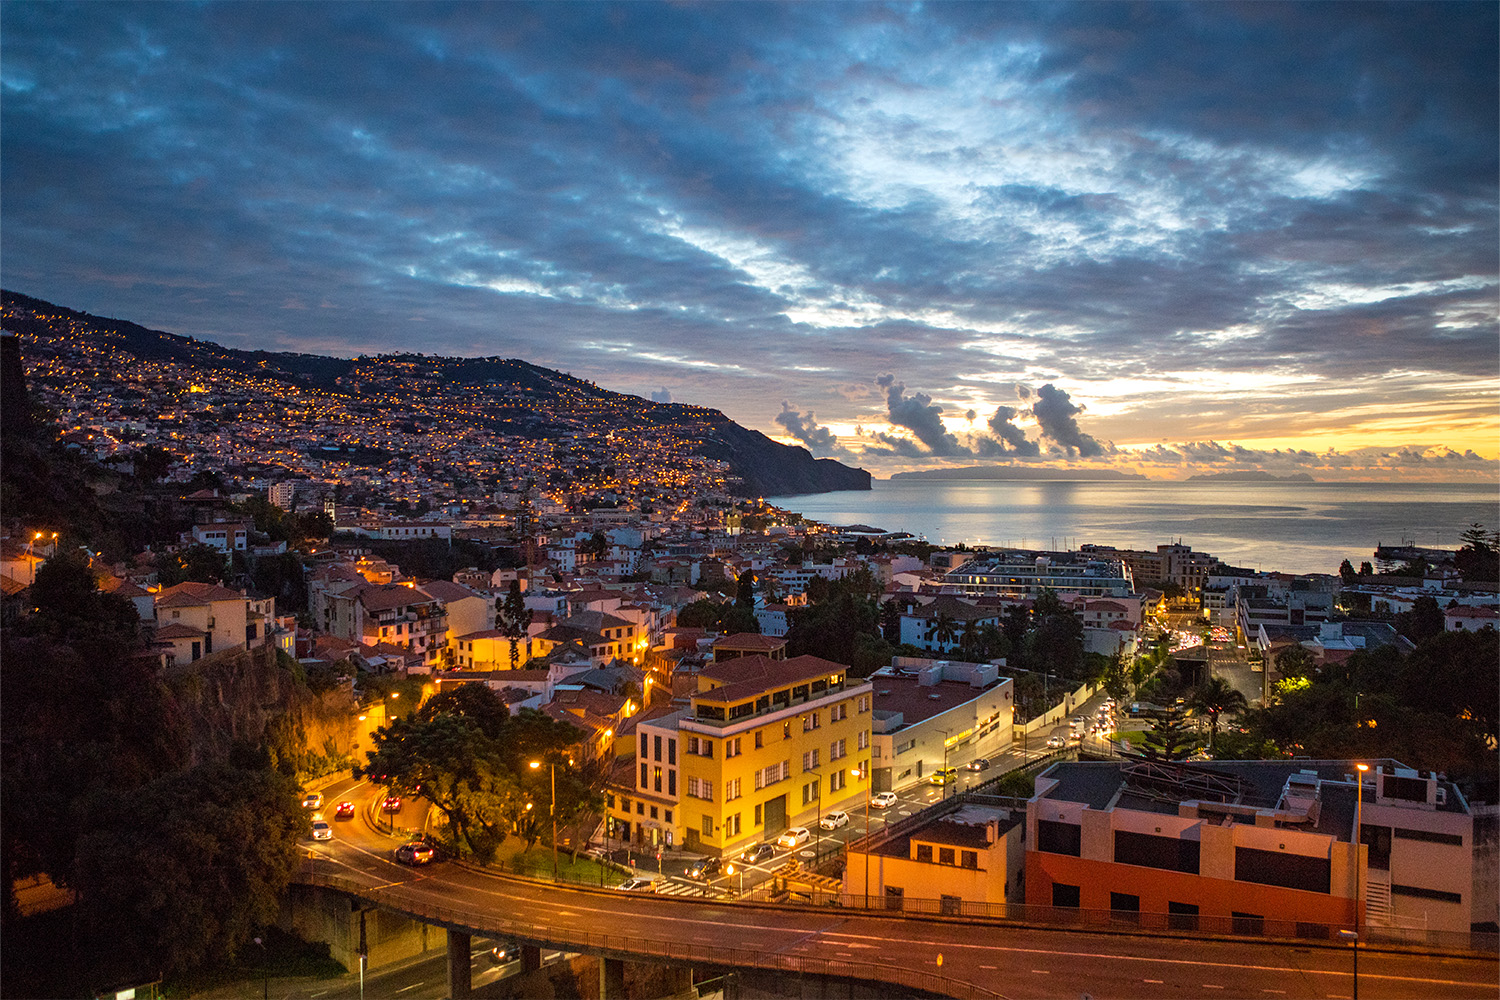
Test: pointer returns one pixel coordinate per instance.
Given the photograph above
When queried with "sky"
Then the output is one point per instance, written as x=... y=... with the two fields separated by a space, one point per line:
x=1160 y=238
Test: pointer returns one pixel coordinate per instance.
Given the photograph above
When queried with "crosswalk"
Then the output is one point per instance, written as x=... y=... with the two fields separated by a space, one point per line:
x=670 y=888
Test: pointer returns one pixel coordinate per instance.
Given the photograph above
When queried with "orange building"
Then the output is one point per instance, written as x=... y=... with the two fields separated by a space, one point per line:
x=1231 y=845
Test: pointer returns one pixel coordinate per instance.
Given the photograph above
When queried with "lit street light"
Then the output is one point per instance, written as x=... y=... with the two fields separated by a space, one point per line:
x=552 y=810
x=865 y=774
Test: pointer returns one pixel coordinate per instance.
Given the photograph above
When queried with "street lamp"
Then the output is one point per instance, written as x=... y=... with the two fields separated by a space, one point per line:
x=1353 y=938
x=865 y=774
x=1359 y=837
x=729 y=870
x=552 y=809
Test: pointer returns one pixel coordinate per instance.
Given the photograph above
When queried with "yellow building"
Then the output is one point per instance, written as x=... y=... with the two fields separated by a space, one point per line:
x=766 y=745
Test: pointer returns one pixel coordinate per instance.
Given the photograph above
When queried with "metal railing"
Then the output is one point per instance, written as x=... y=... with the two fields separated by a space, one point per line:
x=480 y=921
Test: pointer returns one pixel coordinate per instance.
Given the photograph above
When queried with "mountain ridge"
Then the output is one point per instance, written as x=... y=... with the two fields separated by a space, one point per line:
x=518 y=394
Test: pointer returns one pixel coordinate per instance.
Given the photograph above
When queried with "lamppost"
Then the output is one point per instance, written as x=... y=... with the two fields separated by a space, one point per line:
x=1359 y=838
x=265 y=970
x=729 y=870
x=865 y=774
x=552 y=810
x=1353 y=938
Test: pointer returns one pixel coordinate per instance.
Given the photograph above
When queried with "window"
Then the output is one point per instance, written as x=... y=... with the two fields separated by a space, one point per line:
x=1247 y=923
x=692 y=745
x=817 y=718
x=1150 y=851
x=759 y=742
x=1123 y=903
x=1419 y=893
x=732 y=825
x=644 y=744
x=653 y=812
x=758 y=816
x=864 y=739
x=672 y=783
x=839 y=712
x=924 y=853
x=838 y=749
x=700 y=788
x=1182 y=916
x=658 y=749
x=838 y=780
x=968 y=859
x=732 y=747
x=671 y=751
x=656 y=778
x=731 y=789
x=1065 y=895
x=708 y=826
x=667 y=815
x=945 y=855
x=644 y=785
x=1059 y=838
x=811 y=792
x=786 y=730
x=863 y=704
x=810 y=760
x=640 y=808
x=1290 y=871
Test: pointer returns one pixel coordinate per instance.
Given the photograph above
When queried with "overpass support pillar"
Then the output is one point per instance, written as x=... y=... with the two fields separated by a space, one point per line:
x=460 y=979
x=531 y=958
x=611 y=979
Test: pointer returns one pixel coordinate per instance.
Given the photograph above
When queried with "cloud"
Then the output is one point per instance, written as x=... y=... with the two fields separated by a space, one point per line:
x=804 y=427
x=1009 y=438
x=1058 y=417
x=918 y=414
x=663 y=396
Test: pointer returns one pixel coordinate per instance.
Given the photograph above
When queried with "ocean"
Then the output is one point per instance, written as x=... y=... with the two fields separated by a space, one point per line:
x=1285 y=527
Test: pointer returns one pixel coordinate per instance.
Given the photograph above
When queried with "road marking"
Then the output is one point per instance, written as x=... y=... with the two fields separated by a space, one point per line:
x=1157 y=981
x=1042 y=972
x=316 y=995
x=411 y=987
x=1282 y=992
x=1211 y=986
x=989 y=966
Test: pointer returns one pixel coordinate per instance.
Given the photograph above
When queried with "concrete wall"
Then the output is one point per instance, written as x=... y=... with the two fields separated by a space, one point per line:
x=316 y=914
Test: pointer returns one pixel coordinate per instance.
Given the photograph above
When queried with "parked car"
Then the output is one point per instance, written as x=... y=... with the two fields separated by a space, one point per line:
x=834 y=820
x=703 y=869
x=883 y=800
x=638 y=884
x=312 y=800
x=944 y=776
x=321 y=830
x=978 y=764
x=392 y=804
x=344 y=810
x=794 y=837
x=415 y=852
x=759 y=853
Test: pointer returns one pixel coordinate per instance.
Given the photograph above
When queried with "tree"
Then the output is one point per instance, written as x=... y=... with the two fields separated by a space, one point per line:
x=1296 y=661
x=943 y=629
x=744 y=590
x=1423 y=621
x=1347 y=573
x=1215 y=697
x=1168 y=738
x=890 y=621
x=514 y=617
x=1365 y=569
x=195 y=563
x=1479 y=559
x=220 y=844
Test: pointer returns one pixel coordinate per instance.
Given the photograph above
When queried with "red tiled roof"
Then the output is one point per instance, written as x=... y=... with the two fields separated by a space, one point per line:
x=177 y=630
x=749 y=675
x=194 y=595
x=750 y=640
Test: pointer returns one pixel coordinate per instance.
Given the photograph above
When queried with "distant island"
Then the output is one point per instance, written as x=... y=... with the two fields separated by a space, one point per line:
x=1252 y=476
x=1020 y=472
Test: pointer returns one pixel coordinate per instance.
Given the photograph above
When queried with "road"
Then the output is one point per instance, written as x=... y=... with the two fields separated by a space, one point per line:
x=1006 y=959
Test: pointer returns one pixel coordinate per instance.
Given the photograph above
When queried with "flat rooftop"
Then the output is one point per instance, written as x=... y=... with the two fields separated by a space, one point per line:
x=917 y=702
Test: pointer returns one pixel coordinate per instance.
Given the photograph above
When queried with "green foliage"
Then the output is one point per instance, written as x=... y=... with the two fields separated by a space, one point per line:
x=1017 y=784
x=1347 y=573
x=728 y=618
x=432 y=558
x=1168 y=738
x=890 y=621
x=1296 y=661
x=744 y=591
x=1437 y=708
x=196 y=563
x=216 y=846
x=464 y=753
x=1216 y=697
x=1423 y=621
x=1479 y=559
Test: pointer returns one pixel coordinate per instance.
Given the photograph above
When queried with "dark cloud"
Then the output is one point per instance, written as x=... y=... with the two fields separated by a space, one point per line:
x=1058 y=417
x=751 y=202
x=664 y=396
x=804 y=427
x=1010 y=438
x=918 y=414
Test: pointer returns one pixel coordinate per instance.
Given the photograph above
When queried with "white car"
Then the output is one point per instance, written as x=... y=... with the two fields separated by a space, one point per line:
x=834 y=820
x=883 y=800
x=321 y=830
x=1056 y=741
x=312 y=800
x=794 y=837
x=637 y=885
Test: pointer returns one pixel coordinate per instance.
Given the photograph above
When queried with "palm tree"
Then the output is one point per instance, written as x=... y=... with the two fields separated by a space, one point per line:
x=1213 y=698
x=945 y=630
